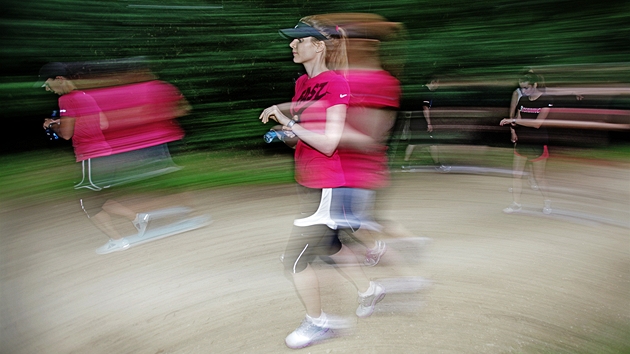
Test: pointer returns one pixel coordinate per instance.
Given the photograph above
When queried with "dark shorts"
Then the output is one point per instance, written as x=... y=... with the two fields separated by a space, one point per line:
x=418 y=134
x=306 y=243
x=100 y=175
x=531 y=152
x=93 y=190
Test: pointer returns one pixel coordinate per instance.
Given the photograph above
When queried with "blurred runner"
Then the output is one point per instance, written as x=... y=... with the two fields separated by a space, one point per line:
x=516 y=96
x=119 y=134
x=417 y=126
x=317 y=115
x=530 y=139
x=372 y=112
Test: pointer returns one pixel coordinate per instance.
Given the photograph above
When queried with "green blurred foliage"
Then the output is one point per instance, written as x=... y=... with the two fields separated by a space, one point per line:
x=32 y=177
x=228 y=60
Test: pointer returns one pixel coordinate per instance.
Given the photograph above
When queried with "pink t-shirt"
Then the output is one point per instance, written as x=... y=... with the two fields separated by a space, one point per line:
x=370 y=89
x=139 y=115
x=312 y=97
x=88 y=139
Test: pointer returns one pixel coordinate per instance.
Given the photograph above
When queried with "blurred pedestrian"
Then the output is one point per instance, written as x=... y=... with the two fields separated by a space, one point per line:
x=371 y=115
x=418 y=126
x=530 y=139
x=119 y=134
x=82 y=120
x=317 y=116
x=516 y=96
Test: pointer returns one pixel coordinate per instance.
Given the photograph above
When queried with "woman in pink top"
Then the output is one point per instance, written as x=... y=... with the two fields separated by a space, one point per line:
x=83 y=120
x=363 y=153
x=316 y=118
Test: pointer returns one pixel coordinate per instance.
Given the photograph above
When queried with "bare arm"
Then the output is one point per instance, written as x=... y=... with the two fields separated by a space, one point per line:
x=513 y=103
x=426 y=111
x=564 y=92
x=367 y=128
x=513 y=134
x=325 y=143
x=64 y=127
x=279 y=113
x=182 y=107
x=103 y=120
x=532 y=123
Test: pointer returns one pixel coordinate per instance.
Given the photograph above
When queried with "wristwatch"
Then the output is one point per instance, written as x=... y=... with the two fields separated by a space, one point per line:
x=291 y=123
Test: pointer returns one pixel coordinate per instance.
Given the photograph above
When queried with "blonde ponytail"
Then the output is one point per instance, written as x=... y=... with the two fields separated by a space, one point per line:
x=336 y=42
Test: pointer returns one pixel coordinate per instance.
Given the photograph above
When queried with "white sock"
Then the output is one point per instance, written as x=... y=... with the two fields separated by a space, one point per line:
x=319 y=321
x=369 y=291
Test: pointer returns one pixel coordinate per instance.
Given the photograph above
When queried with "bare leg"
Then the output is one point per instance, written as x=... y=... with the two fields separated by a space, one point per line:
x=435 y=153
x=115 y=208
x=532 y=179
x=518 y=165
x=103 y=222
x=408 y=152
x=354 y=274
x=539 y=173
x=367 y=237
x=307 y=287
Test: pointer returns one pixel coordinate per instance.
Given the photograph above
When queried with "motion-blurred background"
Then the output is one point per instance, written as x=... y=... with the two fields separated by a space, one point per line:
x=229 y=61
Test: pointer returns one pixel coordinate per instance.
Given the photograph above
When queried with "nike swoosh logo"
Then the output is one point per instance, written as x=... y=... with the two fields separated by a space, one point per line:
x=343 y=95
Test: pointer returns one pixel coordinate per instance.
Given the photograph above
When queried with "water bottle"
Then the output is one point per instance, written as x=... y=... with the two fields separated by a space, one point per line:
x=49 y=132
x=273 y=136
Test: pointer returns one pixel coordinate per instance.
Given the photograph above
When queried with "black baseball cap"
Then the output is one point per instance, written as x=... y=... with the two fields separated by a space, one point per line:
x=50 y=70
x=302 y=30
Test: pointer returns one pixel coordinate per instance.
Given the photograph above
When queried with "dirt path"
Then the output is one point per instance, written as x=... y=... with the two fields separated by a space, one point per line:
x=498 y=283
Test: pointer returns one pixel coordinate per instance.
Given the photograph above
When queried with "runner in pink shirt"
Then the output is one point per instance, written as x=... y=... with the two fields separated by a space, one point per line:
x=316 y=118
x=363 y=153
x=140 y=115
x=88 y=139
x=119 y=135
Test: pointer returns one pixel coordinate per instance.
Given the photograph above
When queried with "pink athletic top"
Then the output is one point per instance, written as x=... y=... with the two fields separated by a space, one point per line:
x=88 y=140
x=140 y=115
x=370 y=89
x=312 y=97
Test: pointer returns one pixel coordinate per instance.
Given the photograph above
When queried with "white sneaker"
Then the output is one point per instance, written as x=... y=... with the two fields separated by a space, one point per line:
x=443 y=168
x=547 y=208
x=141 y=222
x=113 y=246
x=532 y=183
x=306 y=334
x=513 y=208
x=309 y=333
x=373 y=255
x=367 y=302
